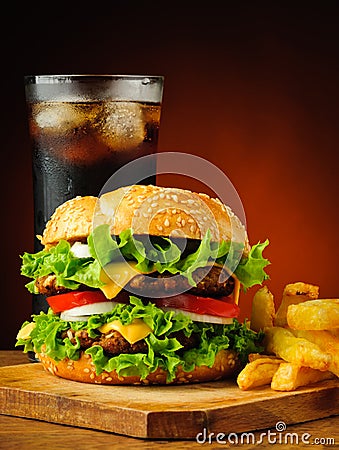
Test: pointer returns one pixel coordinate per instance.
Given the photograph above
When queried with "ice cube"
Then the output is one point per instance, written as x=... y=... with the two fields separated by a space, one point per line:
x=121 y=126
x=58 y=117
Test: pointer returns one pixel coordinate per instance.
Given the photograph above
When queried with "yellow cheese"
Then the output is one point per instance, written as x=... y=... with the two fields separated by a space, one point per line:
x=133 y=332
x=116 y=275
x=26 y=331
x=236 y=290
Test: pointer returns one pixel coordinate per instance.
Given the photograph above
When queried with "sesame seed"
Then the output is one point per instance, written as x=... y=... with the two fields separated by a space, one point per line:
x=159 y=227
x=86 y=370
x=162 y=195
x=109 y=379
x=190 y=220
x=174 y=211
x=145 y=215
x=192 y=228
x=175 y=197
x=92 y=376
x=183 y=222
x=149 y=210
x=203 y=195
x=154 y=205
x=166 y=223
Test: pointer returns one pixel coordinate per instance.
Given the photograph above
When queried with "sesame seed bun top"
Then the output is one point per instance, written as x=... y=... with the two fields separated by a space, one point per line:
x=152 y=210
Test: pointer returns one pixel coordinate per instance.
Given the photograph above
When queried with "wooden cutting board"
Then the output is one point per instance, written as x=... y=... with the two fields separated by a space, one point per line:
x=159 y=411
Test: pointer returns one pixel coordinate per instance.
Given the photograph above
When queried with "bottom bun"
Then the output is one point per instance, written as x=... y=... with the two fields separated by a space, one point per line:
x=226 y=365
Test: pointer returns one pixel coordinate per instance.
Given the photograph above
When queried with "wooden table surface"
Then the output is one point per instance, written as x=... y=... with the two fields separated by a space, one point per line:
x=19 y=433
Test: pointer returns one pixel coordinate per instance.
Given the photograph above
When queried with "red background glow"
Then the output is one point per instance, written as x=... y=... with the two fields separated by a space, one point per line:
x=253 y=88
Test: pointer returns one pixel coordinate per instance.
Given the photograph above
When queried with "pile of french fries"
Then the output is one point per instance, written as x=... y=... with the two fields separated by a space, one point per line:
x=301 y=339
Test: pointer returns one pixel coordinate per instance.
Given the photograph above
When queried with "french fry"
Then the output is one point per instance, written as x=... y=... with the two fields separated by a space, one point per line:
x=263 y=309
x=322 y=314
x=334 y=332
x=326 y=341
x=291 y=376
x=258 y=372
x=294 y=293
x=300 y=351
x=254 y=356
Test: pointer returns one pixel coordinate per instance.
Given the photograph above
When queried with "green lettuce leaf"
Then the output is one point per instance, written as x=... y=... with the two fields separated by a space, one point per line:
x=162 y=256
x=70 y=271
x=250 y=270
x=164 y=350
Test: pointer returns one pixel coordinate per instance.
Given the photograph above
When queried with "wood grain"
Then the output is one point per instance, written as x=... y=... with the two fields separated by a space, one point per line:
x=159 y=412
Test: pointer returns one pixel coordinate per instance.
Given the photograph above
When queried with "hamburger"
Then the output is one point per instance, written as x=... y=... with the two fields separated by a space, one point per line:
x=142 y=285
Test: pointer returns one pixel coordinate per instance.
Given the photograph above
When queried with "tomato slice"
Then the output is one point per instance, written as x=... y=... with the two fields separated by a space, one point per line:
x=63 y=302
x=223 y=307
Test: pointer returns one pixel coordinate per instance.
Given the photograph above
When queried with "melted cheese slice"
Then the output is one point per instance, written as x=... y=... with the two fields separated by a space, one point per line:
x=133 y=332
x=236 y=290
x=116 y=275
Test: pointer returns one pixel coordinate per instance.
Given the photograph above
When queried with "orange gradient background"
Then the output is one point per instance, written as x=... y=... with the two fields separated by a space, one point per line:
x=253 y=89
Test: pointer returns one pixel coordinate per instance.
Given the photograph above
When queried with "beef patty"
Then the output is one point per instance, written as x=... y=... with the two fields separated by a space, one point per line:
x=207 y=280
x=208 y=283
x=114 y=343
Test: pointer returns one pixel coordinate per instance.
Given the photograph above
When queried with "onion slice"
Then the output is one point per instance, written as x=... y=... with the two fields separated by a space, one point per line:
x=82 y=313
